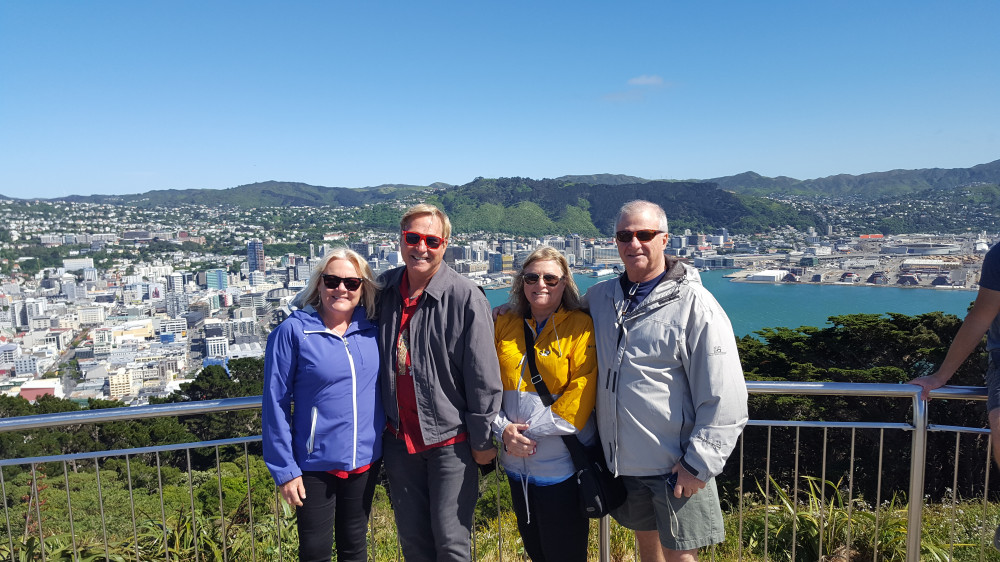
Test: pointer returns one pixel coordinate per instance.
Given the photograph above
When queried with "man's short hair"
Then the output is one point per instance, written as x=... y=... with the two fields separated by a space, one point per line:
x=639 y=205
x=426 y=209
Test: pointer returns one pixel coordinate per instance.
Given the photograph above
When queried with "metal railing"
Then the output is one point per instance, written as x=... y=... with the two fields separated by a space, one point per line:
x=917 y=426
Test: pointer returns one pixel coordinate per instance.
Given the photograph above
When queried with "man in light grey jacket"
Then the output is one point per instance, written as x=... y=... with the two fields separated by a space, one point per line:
x=671 y=397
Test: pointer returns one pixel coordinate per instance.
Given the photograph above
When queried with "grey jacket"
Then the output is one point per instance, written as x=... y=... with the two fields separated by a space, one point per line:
x=670 y=384
x=452 y=355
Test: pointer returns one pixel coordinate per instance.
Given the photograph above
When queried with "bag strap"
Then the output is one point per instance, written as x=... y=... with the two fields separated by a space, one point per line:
x=576 y=448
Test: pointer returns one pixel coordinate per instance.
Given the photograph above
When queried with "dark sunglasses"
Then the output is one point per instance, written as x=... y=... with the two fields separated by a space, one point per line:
x=550 y=280
x=625 y=236
x=414 y=238
x=334 y=281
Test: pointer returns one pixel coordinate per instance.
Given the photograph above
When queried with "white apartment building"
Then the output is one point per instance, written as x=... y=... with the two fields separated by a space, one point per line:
x=92 y=316
x=173 y=325
x=26 y=364
x=9 y=352
x=73 y=264
x=217 y=346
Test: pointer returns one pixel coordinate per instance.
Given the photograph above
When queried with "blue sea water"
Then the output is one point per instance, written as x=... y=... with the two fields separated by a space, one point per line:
x=754 y=306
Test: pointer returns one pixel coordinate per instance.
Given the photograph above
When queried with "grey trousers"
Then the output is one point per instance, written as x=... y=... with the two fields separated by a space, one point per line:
x=434 y=496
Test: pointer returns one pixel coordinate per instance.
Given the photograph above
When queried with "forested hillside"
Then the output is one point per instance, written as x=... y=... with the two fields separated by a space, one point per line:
x=535 y=207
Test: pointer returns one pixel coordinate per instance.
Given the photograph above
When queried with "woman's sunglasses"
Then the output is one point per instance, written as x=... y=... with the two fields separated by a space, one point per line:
x=334 y=281
x=550 y=280
x=625 y=236
x=414 y=238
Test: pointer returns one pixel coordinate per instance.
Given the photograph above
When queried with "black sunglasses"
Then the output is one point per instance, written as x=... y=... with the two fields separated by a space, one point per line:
x=625 y=236
x=334 y=281
x=414 y=238
x=550 y=280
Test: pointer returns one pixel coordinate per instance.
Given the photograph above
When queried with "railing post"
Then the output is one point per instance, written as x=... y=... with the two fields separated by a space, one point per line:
x=918 y=455
x=604 y=539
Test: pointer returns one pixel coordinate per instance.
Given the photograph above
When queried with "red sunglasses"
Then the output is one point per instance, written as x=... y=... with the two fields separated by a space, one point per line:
x=413 y=239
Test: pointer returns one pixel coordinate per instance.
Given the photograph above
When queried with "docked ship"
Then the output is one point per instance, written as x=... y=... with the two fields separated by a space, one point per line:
x=602 y=272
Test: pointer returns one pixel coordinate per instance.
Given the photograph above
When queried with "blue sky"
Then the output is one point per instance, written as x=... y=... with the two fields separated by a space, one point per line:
x=126 y=97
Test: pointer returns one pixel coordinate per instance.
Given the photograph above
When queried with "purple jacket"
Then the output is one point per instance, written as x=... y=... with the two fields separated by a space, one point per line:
x=337 y=419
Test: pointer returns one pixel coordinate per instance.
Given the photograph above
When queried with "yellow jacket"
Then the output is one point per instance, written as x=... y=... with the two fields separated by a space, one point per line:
x=565 y=354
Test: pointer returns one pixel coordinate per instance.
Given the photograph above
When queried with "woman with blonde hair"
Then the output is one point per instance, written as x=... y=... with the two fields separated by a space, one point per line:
x=324 y=452
x=545 y=309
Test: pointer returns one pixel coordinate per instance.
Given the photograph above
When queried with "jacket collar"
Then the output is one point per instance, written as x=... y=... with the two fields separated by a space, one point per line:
x=678 y=274
x=441 y=283
x=311 y=321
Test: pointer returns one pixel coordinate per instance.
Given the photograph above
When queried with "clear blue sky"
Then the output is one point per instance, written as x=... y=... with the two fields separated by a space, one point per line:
x=129 y=96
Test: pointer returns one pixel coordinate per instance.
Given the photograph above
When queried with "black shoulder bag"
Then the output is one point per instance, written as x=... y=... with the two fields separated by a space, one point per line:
x=599 y=490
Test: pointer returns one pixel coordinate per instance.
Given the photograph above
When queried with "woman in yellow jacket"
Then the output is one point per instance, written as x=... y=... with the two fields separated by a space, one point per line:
x=534 y=457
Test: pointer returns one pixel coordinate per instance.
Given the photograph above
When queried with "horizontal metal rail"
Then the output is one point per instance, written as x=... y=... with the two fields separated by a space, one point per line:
x=252 y=402
x=127 y=414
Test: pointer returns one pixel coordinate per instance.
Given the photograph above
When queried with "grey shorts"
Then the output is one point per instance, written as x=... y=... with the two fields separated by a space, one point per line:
x=683 y=524
x=993 y=382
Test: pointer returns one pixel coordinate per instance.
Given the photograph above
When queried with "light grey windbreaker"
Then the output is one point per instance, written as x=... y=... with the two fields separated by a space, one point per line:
x=670 y=385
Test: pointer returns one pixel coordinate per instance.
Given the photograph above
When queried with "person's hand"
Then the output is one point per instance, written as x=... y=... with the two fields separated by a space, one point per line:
x=293 y=491
x=484 y=457
x=687 y=484
x=514 y=441
x=502 y=309
x=930 y=382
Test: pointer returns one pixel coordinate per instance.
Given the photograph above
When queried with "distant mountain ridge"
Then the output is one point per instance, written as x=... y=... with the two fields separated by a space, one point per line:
x=275 y=193
x=602 y=179
x=262 y=194
x=868 y=186
x=874 y=185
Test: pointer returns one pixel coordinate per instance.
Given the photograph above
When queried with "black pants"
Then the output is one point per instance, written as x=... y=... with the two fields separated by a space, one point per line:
x=557 y=532
x=336 y=505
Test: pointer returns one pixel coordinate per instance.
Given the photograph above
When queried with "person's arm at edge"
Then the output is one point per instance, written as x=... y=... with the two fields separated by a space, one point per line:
x=280 y=362
x=976 y=323
x=481 y=371
x=719 y=395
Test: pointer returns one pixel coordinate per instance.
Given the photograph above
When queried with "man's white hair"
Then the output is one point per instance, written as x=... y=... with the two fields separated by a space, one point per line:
x=637 y=206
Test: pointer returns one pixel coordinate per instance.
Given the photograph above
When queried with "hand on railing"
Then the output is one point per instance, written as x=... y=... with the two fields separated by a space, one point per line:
x=930 y=382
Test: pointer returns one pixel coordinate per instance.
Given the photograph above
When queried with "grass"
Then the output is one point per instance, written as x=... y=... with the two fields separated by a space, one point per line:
x=819 y=524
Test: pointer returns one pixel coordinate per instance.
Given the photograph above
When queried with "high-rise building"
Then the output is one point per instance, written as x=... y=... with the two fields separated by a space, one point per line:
x=217 y=279
x=175 y=282
x=177 y=304
x=255 y=256
x=574 y=245
x=507 y=246
x=365 y=249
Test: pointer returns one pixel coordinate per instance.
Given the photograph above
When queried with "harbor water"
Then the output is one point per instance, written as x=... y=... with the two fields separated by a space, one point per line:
x=754 y=306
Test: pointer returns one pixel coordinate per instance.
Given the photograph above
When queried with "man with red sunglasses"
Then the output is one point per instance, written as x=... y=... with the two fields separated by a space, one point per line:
x=671 y=397
x=441 y=388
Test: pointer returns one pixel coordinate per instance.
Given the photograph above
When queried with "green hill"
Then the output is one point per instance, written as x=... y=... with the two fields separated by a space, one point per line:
x=534 y=207
x=866 y=186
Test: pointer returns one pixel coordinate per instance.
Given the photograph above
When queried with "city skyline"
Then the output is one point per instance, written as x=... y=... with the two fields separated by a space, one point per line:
x=126 y=98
